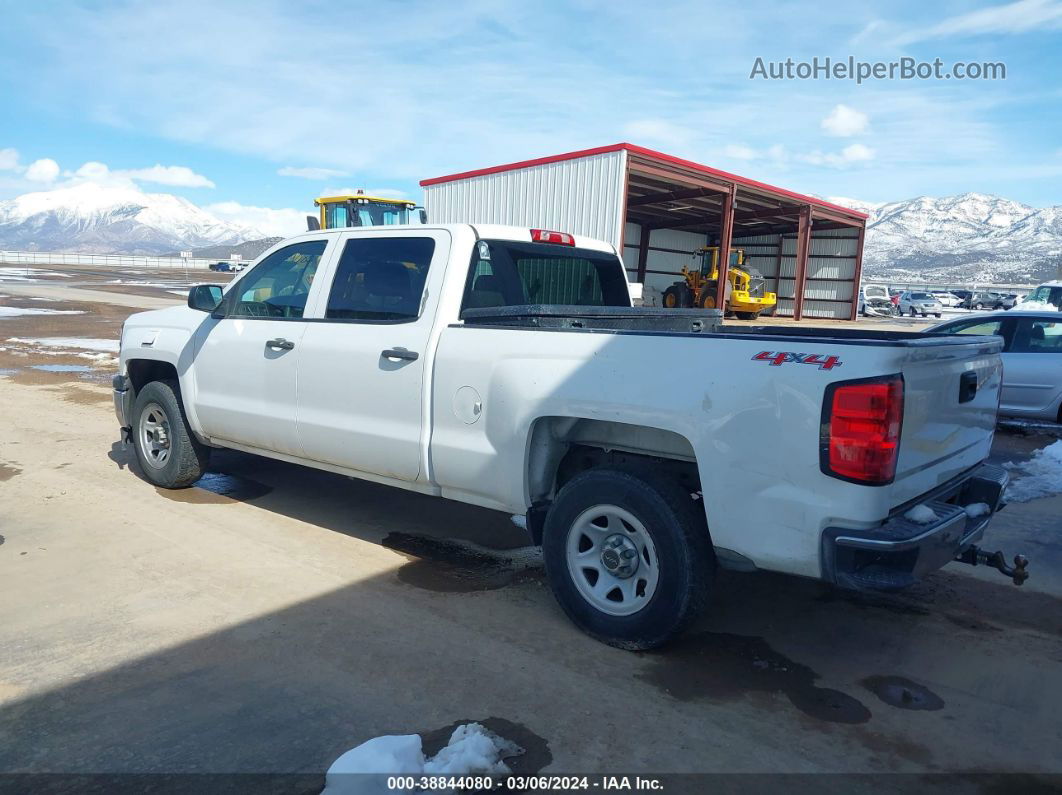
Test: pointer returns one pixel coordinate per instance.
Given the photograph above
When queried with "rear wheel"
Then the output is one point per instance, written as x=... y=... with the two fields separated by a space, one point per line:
x=913 y=312
x=169 y=454
x=979 y=305
x=628 y=556
x=746 y=315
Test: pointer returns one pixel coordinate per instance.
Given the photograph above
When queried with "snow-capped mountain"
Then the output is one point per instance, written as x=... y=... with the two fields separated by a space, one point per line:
x=972 y=237
x=95 y=218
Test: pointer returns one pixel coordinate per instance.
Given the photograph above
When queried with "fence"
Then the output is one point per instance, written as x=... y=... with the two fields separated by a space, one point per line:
x=102 y=260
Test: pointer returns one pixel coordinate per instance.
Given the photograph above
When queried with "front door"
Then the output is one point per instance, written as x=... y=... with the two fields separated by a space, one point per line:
x=246 y=355
x=361 y=370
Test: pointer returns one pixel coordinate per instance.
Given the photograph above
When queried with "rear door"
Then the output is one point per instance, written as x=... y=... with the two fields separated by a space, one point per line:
x=1033 y=368
x=362 y=365
x=246 y=355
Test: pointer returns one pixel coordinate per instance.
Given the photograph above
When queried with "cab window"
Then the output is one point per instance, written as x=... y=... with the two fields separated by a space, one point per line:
x=380 y=279
x=279 y=285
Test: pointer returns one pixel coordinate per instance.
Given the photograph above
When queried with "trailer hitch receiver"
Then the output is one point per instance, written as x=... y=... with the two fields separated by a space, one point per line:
x=975 y=556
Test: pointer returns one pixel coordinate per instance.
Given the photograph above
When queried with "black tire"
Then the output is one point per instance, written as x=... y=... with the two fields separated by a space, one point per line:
x=979 y=305
x=746 y=315
x=913 y=312
x=187 y=457
x=937 y=314
x=676 y=526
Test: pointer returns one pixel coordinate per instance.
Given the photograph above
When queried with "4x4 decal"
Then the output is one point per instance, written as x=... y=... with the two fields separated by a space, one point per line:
x=783 y=357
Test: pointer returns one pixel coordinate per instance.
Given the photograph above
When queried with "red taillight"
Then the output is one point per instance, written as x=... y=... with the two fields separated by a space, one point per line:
x=861 y=429
x=546 y=236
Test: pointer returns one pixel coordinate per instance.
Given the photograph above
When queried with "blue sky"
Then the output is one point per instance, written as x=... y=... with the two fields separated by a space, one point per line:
x=252 y=109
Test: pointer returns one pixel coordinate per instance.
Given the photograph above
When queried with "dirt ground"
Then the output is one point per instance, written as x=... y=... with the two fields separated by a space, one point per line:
x=274 y=616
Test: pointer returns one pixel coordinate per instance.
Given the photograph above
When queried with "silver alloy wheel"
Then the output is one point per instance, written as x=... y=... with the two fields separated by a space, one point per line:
x=155 y=435
x=612 y=560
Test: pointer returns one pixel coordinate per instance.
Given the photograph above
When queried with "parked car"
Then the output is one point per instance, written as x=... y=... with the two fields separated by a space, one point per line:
x=221 y=267
x=917 y=303
x=948 y=300
x=496 y=365
x=1045 y=298
x=987 y=300
x=1032 y=359
x=874 y=299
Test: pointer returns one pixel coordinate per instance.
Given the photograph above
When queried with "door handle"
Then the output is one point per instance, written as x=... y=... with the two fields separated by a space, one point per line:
x=400 y=353
x=280 y=344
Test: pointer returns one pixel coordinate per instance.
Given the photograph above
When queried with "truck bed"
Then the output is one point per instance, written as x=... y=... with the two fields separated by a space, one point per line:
x=699 y=322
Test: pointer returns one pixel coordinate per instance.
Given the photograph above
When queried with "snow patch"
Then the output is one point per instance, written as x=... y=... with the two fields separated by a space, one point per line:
x=84 y=343
x=1040 y=476
x=921 y=514
x=16 y=311
x=473 y=750
x=977 y=509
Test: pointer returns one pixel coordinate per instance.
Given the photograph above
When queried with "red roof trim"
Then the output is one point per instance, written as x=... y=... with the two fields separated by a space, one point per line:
x=653 y=154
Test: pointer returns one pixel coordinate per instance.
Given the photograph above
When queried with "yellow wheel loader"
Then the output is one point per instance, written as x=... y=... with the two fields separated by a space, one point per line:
x=338 y=212
x=746 y=296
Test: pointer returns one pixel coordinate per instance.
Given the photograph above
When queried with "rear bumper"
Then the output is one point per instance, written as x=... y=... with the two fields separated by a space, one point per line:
x=900 y=552
x=123 y=397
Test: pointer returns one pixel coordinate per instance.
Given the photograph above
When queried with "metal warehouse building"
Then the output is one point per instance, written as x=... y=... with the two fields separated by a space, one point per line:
x=658 y=210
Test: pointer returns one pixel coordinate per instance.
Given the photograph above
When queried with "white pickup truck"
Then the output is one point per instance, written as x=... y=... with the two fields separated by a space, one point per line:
x=505 y=367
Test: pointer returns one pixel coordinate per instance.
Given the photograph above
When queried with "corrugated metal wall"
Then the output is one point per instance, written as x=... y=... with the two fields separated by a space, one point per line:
x=829 y=288
x=583 y=196
x=669 y=251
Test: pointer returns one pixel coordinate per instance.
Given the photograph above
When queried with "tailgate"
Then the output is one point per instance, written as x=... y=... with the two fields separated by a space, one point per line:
x=951 y=396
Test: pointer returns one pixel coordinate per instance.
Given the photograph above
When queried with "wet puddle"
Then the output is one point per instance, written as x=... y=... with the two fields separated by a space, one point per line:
x=218 y=488
x=61 y=368
x=449 y=566
x=903 y=693
x=7 y=472
x=718 y=666
x=535 y=757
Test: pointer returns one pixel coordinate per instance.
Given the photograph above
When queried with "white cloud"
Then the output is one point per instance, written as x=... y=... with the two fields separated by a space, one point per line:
x=177 y=176
x=8 y=159
x=844 y=122
x=850 y=155
x=310 y=172
x=658 y=132
x=270 y=222
x=43 y=170
x=740 y=152
x=1019 y=17
x=93 y=170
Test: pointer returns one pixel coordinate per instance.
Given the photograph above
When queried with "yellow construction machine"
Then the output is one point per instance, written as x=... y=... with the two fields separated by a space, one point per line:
x=747 y=297
x=358 y=209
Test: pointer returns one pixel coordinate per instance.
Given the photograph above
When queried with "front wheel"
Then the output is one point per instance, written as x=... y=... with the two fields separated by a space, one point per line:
x=628 y=556
x=169 y=454
x=979 y=306
x=913 y=312
x=937 y=314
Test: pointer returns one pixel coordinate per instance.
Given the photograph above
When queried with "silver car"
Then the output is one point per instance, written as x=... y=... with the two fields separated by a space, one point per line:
x=1032 y=359
x=915 y=304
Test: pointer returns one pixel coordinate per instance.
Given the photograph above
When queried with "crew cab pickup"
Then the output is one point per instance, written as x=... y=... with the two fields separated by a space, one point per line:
x=505 y=367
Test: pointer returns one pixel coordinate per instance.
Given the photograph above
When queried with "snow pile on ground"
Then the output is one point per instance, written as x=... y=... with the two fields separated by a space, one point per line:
x=16 y=311
x=1040 y=476
x=921 y=514
x=473 y=750
x=77 y=343
x=977 y=509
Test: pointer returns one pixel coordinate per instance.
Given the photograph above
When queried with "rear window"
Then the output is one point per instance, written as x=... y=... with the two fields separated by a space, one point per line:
x=921 y=297
x=507 y=273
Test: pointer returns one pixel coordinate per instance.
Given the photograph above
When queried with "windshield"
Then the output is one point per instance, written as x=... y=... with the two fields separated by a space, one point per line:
x=507 y=273
x=921 y=296
x=1046 y=295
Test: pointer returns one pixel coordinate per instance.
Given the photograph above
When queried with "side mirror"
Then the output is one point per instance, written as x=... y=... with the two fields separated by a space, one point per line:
x=423 y=216
x=205 y=297
x=313 y=224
